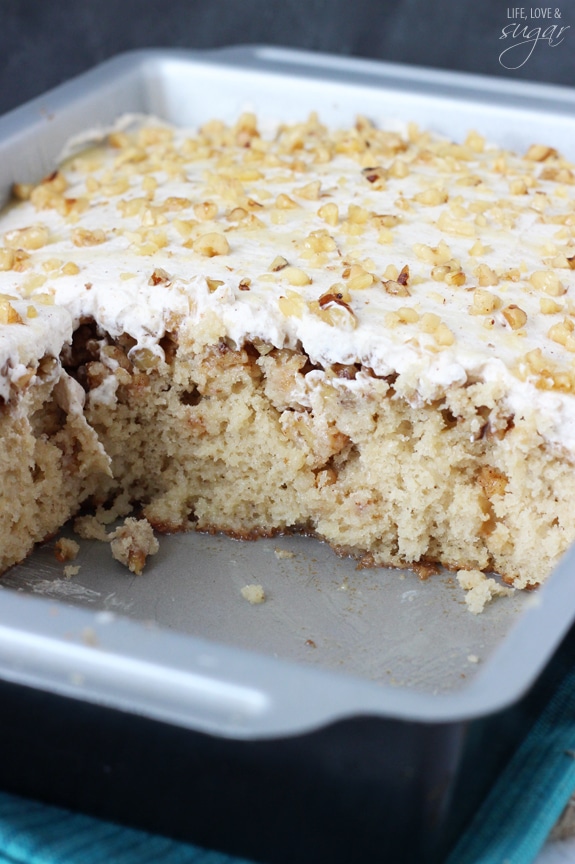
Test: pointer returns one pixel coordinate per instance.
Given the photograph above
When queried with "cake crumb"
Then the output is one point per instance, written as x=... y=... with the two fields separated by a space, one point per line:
x=90 y=528
x=66 y=550
x=424 y=571
x=283 y=553
x=472 y=658
x=71 y=570
x=93 y=527
x=481 y=589
x=254 y=594
x=132 y=543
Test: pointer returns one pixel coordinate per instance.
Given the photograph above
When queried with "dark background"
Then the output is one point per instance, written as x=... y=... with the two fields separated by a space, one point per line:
x=43 y=42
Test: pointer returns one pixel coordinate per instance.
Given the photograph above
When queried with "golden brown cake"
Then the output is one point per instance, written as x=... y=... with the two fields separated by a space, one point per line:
x=363 y=334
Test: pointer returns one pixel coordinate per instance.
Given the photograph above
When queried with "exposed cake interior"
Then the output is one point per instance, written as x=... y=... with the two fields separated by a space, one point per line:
x=257 y=335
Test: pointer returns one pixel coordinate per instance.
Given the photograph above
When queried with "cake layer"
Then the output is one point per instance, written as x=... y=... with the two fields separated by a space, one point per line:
x=366 y=334
x=228 y=447
x=50 y=461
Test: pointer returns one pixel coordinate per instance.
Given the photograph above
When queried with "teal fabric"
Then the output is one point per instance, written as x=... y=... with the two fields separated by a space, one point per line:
x=525 y=803
x=510 y=828
x=32 y=833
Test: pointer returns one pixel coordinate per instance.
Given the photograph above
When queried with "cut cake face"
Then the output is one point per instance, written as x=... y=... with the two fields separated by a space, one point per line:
x=362 y=334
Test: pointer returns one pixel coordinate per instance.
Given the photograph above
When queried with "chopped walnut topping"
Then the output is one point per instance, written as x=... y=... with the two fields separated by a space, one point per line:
x=279 y=263
x=159 y=277
x=8 y=314
x=292 y=303
x=319 y=241
x=443 y=335
x=454 y=225
x=515 y=317
x=70 y=268
x=407 y=315
x=211 y=244
x=206 y=211
x=22 y=191
x=213 y=284
x=328 y=299
x=484 y=302
x=83 y=237
x=44 y=299
x=296 y=276
x=403 y=277
x=558 y=175
x=376 y=176
x=237 y=214
x=385 y=220
x=549 y=306
x=7 y=258
x=311 y=191
x=357 y=215
x=548 y=281
x=284 y=202
x=399 y=169
x=540 y=152
x=475 y=141
x=450 y=273
x=33 y=237
x=563 y=334
x=536 y=361
x=518 y=186
x=329 y=213
x=360 y=280
x=485 y=275
x=431 y=197
x=429 y=322
x=396 y=288
x=334 y=311
x=441 y=254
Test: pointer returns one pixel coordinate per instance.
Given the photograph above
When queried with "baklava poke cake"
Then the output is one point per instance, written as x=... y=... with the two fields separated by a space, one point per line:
x=360 y=334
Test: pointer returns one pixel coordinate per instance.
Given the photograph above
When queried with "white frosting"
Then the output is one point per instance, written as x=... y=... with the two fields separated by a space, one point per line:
x=113 y=284
x=22 y=345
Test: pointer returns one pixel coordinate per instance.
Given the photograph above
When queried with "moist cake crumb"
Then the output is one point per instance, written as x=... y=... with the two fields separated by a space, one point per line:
x=254 y=594
x=66 y=549
x=480 y=589
x=132 y=543
x=90 y=528
x=71 y=570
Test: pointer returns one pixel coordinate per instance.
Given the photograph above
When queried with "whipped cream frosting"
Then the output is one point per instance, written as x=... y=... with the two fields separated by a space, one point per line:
x=441 y=263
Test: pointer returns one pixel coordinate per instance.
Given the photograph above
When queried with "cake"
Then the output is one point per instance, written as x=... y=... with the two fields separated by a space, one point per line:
x=364 y=334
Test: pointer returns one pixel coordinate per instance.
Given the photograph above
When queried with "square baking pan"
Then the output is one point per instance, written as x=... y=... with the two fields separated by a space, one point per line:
x=346 y=714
